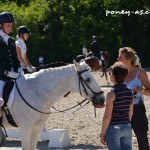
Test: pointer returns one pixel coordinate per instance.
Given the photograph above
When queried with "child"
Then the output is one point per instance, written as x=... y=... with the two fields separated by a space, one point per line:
x=116 y=125
x=23 y=35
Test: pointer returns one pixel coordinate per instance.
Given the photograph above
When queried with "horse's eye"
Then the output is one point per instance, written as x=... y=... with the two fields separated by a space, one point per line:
x=87 y=79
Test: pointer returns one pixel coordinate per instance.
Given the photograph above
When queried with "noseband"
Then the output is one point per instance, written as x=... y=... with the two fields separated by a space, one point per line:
x=84 y=84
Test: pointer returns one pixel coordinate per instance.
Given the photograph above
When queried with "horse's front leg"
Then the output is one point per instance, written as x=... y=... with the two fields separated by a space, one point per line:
x=36 y=130
x=35 y=137
x=26 y=138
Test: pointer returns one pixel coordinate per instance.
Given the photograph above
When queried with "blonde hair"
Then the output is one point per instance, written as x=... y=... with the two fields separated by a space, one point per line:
x=129 y=53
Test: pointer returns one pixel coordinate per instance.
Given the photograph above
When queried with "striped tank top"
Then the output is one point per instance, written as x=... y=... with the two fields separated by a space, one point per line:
x=121 y=105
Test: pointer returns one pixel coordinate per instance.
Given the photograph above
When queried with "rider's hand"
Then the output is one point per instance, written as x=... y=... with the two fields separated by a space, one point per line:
x=20 y=71
x=11 y=74
x=30 y=70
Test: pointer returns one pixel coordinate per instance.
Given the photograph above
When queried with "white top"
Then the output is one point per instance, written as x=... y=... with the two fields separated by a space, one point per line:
x=85 y=51
x=4 y=36
x=20 y=43
x=136 y=82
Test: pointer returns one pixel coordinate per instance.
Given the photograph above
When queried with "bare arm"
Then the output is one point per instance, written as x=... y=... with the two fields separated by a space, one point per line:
x=20 y=57
x=27 y=60
x=107 y=114
x=146 y=83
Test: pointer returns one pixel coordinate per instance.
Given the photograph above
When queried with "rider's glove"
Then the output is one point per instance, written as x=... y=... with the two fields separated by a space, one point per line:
x=30 y=70
x=20 y=71
x=11 y=74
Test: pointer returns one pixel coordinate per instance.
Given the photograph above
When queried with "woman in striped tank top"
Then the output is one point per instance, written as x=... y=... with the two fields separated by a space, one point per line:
x=116 y=127
x=137 y=79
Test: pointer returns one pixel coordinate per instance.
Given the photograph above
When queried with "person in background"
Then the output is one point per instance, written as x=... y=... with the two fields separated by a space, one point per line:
x=116 y=129
x=85 y=51
x=41 y=61
x=96 y=50
x=137 y=79
x=22 y=36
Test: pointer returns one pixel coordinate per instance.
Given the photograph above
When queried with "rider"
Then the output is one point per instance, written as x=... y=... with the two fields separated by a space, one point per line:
x=9 y=64
x=96 y=50
x=23 y=35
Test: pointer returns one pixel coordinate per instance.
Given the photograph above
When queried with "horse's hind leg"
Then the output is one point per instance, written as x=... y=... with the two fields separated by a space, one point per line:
x=106 y=77
x=105 y=73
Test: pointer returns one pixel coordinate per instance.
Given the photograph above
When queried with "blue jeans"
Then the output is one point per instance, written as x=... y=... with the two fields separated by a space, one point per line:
x=119 y=137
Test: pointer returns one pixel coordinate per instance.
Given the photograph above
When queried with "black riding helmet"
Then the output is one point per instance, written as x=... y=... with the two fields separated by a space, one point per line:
x=6 y=17
x=22 y=30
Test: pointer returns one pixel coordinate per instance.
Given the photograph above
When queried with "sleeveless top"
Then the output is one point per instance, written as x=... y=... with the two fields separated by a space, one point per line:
x=121 y=105
x=136 y=82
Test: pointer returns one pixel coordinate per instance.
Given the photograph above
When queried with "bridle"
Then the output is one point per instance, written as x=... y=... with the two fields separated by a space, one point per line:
x=81 y=81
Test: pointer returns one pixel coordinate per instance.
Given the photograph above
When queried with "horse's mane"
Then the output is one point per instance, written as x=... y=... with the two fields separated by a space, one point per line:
x=49 y=71
x=51 y=65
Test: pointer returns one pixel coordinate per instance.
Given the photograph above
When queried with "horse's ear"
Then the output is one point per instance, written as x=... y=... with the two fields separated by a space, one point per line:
x=77 y=65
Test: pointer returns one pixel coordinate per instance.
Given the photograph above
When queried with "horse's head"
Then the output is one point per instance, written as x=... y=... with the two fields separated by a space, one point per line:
x=88 y=86
x=79 y=58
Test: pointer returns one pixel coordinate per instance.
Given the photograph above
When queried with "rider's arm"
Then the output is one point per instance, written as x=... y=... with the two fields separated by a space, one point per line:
x=108 y=111
x=27 y=60
x=145 y=81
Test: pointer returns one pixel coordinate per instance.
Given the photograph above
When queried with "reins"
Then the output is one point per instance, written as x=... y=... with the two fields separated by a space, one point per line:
x=79 y=104
x=28 y=103
x=81 y=80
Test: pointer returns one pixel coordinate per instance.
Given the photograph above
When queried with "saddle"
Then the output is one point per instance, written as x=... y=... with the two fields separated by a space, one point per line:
x=6 y=92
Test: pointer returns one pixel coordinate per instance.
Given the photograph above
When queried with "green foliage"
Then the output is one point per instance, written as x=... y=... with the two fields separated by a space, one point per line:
x=60 y=27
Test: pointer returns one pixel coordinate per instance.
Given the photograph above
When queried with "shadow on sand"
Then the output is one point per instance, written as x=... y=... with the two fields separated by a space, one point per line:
x=43 y=145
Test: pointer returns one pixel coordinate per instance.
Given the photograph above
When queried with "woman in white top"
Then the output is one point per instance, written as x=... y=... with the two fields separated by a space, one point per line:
x=22 y=36
x=137 y=79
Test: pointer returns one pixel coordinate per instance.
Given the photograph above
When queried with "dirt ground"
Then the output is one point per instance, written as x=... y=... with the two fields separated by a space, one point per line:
x=83 y=127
